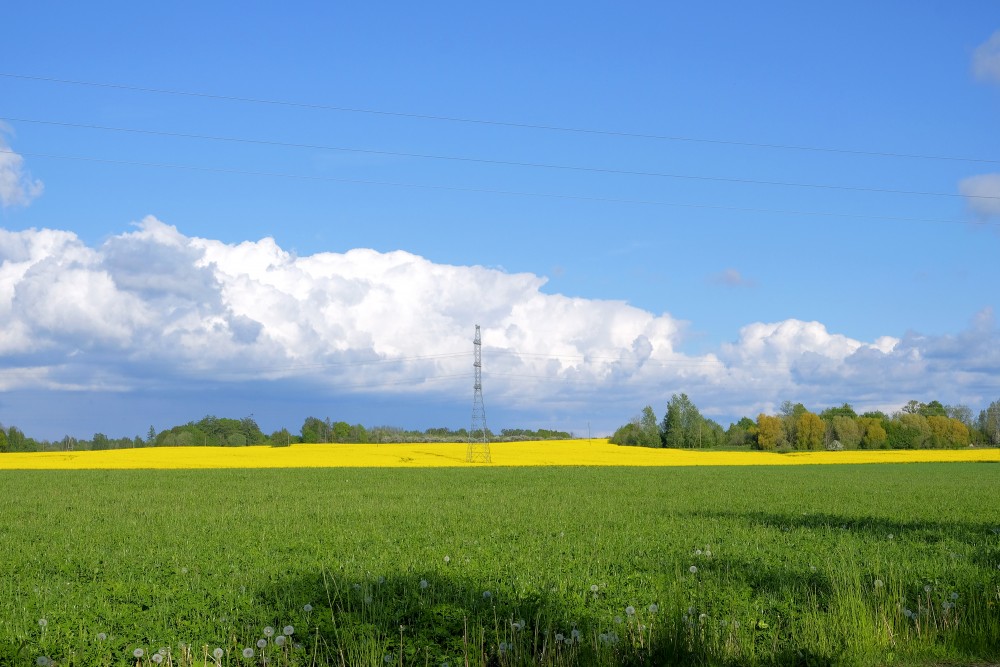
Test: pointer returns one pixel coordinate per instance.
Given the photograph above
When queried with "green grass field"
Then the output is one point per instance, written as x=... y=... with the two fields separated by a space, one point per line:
x=811 y=565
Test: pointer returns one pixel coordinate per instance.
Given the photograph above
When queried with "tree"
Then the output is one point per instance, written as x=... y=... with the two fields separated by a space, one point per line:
x=933 y=409
x=843 y=411
x=947 y=432
x=742 y=433
x=873 y=435
x=4 y=443
x=250 y=430
x=790 y=414
x=282 y=438
x=683 y=425
x=341 y=432
x=962 y=413
x=313 y=430
x=649 y=429
x=16 y=441
x=770 y=432
x=673 y=428
x=809 y=431
x=847 y=430
x=151 y=435
x=627 y=435
x=989 y=422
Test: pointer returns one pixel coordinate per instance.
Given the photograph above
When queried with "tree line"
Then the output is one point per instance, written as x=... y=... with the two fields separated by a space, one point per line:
x=916 y=425
x=211 y=431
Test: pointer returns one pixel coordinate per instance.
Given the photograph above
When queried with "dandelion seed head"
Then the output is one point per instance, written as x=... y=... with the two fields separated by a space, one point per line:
x=268 y=631
x=559 y=636
x=908 y=613
x=653 y=608
x=387 y=658
x=702 y=618
x=248 y=652
x=708 y=553
x=101 y=636
x=42 y=622
x=217 y=653
x=157 y=658
x=307 y=608
x=954 y=596
x=447 y=559
x=138 y=653
x=487 y=595
x=381 y=580
x=593 y=588
x=423 y=583
x=619 y=620
x=693 y=569
x=279 y=640
x=184 y=570
x=927 y=588
x=43 y=661
x=163 y=650
x=878 y=583
x=288 y=630
x=697 y=552
x=261 y=643
x=630 y=610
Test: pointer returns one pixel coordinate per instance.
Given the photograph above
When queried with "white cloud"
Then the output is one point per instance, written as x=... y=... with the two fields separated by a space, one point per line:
x=982 y=194
x=17 y=187
x=156 y=307
x=986 y=59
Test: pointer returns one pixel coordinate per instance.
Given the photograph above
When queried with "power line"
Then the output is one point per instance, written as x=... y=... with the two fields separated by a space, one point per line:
x=515 y=193
x=499 y=123
x=507 y=163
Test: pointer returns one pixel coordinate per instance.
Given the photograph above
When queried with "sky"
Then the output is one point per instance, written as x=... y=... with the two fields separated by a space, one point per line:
x=305 y=210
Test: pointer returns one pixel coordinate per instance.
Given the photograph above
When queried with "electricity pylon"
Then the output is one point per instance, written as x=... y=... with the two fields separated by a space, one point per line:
x=479 y=435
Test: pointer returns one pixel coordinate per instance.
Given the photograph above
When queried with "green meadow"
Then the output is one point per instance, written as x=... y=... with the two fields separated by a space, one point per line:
x=810 y=565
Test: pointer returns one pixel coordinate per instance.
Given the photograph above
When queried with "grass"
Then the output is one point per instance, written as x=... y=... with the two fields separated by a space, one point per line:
x=806 y=565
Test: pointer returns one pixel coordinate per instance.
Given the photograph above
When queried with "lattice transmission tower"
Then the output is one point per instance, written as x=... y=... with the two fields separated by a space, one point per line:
x=479 y=436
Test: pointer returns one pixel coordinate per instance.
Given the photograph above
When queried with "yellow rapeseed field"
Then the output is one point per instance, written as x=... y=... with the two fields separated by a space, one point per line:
x=597 y=452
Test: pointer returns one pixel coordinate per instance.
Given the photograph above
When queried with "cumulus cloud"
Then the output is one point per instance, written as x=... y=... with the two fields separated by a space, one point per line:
x=982 y=194
x=17 y=187
x=986 y=59
x=154 y=307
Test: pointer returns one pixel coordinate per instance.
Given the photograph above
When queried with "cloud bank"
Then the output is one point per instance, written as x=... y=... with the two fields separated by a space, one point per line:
x=154 y=310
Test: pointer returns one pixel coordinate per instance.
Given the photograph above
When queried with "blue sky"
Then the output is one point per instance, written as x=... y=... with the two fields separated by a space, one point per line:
x=304 y=261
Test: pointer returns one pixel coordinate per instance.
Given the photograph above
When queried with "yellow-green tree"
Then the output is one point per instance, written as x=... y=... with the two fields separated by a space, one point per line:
x=873 y=435
x=809 y=431
x=770 y=432
x=947 y=432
